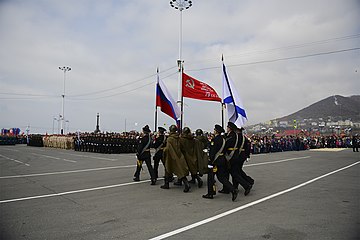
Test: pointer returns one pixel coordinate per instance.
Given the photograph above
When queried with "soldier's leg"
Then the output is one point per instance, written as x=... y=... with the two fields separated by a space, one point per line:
x=211 y=184
x=166 y=180
x=151 y=171
x=156 y=166
x=138 y=169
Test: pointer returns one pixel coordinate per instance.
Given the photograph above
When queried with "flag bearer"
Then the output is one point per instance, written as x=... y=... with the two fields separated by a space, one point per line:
x=143 y=154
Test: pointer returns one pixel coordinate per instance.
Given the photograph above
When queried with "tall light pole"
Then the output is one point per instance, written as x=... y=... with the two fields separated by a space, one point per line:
x=62 y=118
x=180 y=5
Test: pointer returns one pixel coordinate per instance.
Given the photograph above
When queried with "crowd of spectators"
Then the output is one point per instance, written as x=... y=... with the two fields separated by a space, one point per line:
x=267 y=144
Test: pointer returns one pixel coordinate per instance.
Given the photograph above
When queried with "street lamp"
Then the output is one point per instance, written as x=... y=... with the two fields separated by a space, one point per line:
x=62 y=118
x=180 y=5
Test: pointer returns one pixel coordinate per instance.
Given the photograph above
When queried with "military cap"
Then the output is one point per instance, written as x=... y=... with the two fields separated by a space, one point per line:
x=161 y=129
x=219 y=128
x=146 y=129
x=232 y=126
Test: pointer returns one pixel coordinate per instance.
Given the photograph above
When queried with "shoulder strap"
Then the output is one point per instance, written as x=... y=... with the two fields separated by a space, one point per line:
x=162 y=144
x=220 y=151
x=231 y=154
x=242 y=144
x=146 y=146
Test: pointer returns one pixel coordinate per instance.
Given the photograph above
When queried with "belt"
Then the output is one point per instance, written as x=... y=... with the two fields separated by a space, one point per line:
x=147 y=150
x=221 y=154
x=232 y=149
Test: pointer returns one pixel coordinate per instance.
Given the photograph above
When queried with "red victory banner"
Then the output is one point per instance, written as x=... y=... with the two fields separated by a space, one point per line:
x=192 y=88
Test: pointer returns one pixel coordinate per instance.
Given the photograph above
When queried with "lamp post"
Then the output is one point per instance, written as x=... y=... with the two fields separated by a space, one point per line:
x=180 y=5
x=62 y=118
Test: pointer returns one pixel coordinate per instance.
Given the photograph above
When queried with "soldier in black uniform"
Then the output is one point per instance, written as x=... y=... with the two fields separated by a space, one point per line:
x=233 y=145
x=244 y=154
x=218 y=165
x=143 y=154
x=159 y=144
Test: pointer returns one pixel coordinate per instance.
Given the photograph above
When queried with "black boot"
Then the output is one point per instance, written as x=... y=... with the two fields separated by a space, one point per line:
x=153 y=181
x=192 y=181
x=187 y=185
x=208 y=196
x=178 y=182
x=234 y=194
x=200 y=181
x=166 y=184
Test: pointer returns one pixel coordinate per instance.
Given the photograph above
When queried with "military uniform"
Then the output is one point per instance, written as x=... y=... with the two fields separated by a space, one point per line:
x=202 y=158
x=218 y=165
x=243 y=155
x=143 y=154
x=233 y=145
x=159 y=145
x=174 y=160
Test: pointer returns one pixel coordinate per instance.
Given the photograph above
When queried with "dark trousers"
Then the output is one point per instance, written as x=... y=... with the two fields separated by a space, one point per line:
x=211 y=181
x=243 y=174
x=157 y=158
x=149 y=166
x=222 y=173
x=236 y=175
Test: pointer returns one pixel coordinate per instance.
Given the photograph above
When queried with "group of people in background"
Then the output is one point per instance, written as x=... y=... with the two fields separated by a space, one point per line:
x=184 y=154
x=267 y=144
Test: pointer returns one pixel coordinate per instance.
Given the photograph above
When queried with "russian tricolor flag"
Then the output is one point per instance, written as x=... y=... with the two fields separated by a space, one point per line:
x=165 y=101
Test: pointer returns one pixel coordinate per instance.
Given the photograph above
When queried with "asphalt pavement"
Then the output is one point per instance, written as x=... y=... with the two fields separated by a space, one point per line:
x=48 y=193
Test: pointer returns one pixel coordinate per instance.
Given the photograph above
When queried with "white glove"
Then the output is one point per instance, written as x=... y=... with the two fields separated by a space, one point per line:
x=210 y=166
x=247 y=159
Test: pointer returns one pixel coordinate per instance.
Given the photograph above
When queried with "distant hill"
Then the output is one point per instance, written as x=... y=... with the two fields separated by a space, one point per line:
x=334 y=107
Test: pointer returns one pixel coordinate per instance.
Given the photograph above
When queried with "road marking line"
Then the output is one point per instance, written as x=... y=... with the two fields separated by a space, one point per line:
x=73 y=192
x=11 y=159
x=278 y=161
x=130 y=166
x=66 y=172
x=328 y=149
x=87 y=156
x=42 y=155
x=224 y=214
x=9 y=149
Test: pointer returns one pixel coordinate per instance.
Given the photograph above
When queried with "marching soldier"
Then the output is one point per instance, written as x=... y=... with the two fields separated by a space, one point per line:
x=244 y=154
x=143 y=154
x=159 y=145
x=218 y=165
x=202 y=144
x=174 y=160
x=188 y=147
x=233 y=144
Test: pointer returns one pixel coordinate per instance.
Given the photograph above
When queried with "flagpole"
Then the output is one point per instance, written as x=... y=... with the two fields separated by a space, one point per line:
x=180 y=5
x=156 y=112
x=222 y=114
x=222 y=102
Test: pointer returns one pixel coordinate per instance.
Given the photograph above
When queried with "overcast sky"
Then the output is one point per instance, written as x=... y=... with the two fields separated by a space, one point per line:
x=283 y=56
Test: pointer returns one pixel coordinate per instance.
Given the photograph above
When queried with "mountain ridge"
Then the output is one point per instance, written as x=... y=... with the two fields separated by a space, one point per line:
x=336 y=108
